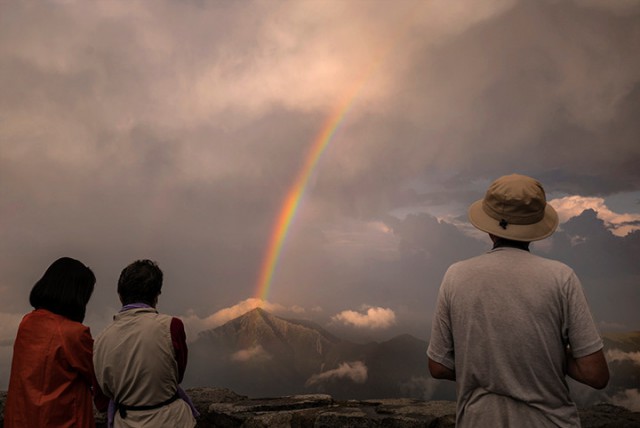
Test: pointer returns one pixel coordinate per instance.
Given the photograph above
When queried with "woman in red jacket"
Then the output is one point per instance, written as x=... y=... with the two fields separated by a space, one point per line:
x=52 y=381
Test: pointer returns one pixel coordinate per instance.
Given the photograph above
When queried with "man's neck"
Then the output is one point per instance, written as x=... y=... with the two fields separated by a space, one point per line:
x=502 y=242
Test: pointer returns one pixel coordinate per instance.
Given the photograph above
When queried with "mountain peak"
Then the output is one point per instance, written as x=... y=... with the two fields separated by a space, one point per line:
x=256 y=312
x=261 y=328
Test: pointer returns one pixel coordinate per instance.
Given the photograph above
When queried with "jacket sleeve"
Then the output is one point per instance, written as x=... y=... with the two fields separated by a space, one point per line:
x=179 y=340
x=78 y=346
x=100 y=400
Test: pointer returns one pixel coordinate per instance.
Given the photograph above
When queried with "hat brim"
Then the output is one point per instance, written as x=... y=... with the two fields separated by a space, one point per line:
x=517 y=232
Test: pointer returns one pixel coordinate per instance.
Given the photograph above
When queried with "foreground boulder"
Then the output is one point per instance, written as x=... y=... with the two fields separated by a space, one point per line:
x=223 y=408
x=321 y=411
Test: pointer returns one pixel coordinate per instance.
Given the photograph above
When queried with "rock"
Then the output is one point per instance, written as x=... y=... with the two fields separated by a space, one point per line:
x=266 y=412
x=223 y=408
x=322 y=411
x=3 y=398
x=605 y=415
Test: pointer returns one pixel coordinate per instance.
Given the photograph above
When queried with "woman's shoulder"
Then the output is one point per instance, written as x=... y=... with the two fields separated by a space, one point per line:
x=61 y=322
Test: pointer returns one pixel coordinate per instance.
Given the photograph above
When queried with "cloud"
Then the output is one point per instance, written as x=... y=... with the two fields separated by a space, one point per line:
x=422 y=386
x=619 y=355
x=359 y=241
x=173 y=132
x=629 y=398
x=612 y=326
x=254 y=353
x=621 y=7
x=373 y=318
x=572 y=206
x=297 y=309
x=255 y=79
x=355 y=371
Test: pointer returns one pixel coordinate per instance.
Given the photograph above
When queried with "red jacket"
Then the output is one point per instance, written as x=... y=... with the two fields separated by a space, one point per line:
x=52 y=375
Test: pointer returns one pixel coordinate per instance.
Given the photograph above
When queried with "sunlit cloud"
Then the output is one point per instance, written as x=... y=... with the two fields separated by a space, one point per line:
x=355 y=371
x=619 y=355
x=355 y=240
x=572 y=206
x=372 y=318
x=269 y=74
x=254 y=353
x=297 y=309
x=254 y=80
x=612 y=326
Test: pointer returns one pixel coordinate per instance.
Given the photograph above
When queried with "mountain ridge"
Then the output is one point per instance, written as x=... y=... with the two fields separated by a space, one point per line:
x=261 y=353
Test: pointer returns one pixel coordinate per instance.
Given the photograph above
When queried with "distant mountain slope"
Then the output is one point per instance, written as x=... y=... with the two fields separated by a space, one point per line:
x=259 y=354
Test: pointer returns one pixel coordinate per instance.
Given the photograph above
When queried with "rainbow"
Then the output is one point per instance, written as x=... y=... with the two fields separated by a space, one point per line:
x=295 y=193
x=292 y=200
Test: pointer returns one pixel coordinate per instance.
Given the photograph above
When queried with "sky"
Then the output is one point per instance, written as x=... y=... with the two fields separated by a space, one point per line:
x=315 y=158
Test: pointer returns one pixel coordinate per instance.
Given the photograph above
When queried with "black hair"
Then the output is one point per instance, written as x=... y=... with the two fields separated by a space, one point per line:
x=140 y=282
x=64 y=289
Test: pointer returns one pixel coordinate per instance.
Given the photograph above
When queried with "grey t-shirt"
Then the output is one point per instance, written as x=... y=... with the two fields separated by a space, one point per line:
x=502 y=322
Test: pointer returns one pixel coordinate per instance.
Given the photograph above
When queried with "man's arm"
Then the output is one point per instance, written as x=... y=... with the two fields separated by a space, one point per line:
x=438 y=371
x=591 y=369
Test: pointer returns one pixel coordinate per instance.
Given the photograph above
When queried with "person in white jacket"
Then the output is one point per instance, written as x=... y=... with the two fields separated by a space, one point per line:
x=141 y=357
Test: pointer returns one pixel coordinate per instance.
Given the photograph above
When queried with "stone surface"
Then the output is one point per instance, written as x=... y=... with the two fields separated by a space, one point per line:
x=223 y=408
x=606 y=415
x=3 y=398
x=321 y=411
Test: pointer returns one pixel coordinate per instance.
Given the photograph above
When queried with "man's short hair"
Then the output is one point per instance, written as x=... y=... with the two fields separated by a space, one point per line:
x=140 y=282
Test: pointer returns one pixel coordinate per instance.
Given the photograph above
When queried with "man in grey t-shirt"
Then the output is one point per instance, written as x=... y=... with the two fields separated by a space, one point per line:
x=509 y=325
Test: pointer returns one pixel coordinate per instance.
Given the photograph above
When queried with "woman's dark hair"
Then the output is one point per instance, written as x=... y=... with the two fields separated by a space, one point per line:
x=140 y=282
x=64 y=289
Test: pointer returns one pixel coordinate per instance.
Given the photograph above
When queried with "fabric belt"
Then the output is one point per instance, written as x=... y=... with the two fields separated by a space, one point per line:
x=123 y=408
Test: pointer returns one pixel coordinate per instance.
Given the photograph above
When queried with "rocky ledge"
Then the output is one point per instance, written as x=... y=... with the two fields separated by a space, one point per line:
x=223 y=408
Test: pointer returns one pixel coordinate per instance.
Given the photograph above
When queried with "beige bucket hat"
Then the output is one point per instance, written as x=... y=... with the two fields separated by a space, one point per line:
x=515 y=207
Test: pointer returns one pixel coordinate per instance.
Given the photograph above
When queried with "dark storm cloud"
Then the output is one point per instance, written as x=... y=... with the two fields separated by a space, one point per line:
x=537 y=89
x=607 y=265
